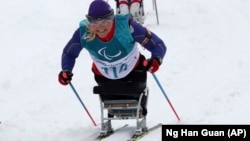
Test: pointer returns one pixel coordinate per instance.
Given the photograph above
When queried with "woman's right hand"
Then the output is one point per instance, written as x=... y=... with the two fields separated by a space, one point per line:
x=65 y=77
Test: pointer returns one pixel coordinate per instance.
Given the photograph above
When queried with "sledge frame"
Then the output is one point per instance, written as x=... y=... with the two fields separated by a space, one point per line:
x=141 y=16
x=123 y=100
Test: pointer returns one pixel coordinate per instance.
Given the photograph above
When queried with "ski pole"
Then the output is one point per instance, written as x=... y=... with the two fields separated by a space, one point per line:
x=155 y=5
x=157 y=81
x=71 y=85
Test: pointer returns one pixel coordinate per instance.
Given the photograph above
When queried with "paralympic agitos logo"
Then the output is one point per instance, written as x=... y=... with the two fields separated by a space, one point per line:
x=107 y=56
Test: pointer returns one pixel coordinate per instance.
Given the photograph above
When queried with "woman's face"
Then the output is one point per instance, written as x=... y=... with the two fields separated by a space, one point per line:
x=102 y=28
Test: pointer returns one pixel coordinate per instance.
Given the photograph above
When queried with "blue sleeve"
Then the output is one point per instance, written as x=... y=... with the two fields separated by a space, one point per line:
x=71 y=51
x=148 y=40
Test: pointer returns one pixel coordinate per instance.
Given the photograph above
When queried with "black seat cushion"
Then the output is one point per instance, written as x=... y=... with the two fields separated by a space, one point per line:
x=120 y=90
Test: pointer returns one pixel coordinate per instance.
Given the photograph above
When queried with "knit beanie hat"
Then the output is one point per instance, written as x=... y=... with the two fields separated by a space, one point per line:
x=99 y=9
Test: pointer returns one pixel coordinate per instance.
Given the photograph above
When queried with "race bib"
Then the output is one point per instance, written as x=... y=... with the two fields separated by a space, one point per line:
x=119 y=68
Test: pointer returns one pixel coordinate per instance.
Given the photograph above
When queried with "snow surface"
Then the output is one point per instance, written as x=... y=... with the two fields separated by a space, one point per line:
x=206 y=72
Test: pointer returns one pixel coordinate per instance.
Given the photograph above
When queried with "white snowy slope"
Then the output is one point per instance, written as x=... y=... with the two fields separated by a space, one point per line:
x=206 y=72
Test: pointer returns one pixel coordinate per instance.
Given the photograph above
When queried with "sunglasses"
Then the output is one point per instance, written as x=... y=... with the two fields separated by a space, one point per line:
x=107 y=17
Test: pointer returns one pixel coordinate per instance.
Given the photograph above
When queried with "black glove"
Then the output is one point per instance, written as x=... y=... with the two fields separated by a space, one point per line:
x=152 y=64
x=65 y=77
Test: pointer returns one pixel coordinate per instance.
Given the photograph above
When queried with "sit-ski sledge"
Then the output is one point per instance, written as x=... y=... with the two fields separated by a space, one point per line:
x=122 y=100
